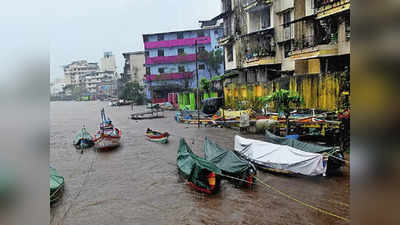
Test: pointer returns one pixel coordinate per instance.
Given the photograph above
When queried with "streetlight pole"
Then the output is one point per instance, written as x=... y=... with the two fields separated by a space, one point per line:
x=197 y=79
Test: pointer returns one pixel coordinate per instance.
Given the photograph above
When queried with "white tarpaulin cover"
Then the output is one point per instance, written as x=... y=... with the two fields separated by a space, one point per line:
x=280 y=157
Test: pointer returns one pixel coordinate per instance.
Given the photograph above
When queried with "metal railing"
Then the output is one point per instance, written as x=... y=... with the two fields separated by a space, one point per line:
x=304 y=42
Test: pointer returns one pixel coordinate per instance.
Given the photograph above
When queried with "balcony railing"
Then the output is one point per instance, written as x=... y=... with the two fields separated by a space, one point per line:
x=170 y=59
x=305 y=42
x=322 y=3
x=178 y=42
x=169 y=76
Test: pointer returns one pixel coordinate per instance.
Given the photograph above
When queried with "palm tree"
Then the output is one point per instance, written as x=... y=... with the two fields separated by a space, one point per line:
x=283 y=100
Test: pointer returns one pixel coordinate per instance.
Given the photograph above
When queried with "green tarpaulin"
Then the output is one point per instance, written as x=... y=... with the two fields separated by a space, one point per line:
x=226 y=160
x=192 y=166
x=307 y=147
x=56 y=184
x=83 y=139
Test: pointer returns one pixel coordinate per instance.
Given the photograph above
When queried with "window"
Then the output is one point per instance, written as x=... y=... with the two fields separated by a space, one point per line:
x=161 y=70
x=229 y=53
x=160 y=53
x=180 y=35
x=286 y=19
x=146 y=53
x=200 y=33
x=181 y=69
x=148 y=70
x=347 y=29
x=181 y=51
x=145 y=38
x=216 y=32
x=160 y=37
x=265 y=18
x=287 y=49
x=202 y=67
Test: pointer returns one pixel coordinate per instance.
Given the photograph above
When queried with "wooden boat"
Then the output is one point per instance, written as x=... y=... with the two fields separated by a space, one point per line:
x=201 y=174
x=280 y=158
x=334 y=163
x=56 y=185
x=230 y=164
x=83 y=139
x=107 y=137
x=157 y=136
x=153 y=114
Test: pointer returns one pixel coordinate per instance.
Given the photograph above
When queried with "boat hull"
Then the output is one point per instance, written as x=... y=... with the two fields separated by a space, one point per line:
x=156 y=136
x=107 y=142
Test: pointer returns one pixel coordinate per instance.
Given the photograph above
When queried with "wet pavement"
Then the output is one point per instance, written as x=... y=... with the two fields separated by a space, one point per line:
x=138 y=183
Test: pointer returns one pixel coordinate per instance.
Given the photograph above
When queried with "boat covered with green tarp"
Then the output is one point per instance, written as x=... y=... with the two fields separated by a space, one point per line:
x=200 y=173
x=83 y=139
x=56 y=185
x=333 y=162
x=229 y=163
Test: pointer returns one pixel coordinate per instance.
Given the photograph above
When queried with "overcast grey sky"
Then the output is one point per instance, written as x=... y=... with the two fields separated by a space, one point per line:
x=85 y=29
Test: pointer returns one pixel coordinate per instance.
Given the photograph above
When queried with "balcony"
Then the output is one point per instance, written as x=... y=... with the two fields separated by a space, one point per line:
x=169 y=76
x=331 y=7
x=310 y=47
x=178 y=42
x=170 y=59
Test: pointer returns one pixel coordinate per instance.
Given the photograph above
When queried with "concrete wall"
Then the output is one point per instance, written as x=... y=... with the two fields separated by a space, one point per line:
x=137 y=66
x=343 y=44
x=319 y=92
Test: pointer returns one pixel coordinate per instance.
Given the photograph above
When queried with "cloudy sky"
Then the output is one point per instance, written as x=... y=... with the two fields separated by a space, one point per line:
x=85 y=29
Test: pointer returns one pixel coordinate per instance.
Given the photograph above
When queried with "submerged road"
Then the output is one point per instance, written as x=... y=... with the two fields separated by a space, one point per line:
x=138 y=183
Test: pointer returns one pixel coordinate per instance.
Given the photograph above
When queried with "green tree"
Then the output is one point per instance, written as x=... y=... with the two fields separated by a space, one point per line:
x=205 y=84
x=132 y=91
x=213 y=60
x=283 y=101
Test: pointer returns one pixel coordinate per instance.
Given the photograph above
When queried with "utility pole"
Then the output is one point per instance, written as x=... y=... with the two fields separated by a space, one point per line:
x=197 y=79
x=151 y=95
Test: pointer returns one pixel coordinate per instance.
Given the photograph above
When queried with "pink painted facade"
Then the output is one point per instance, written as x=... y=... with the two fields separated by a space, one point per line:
x=170 y=59
x=169 y=76
x=179 y=42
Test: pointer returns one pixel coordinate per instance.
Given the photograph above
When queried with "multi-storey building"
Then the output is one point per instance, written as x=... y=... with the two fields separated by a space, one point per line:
x=321 y=41
x=170 y=60
x=134 y=67
x=74 y=70
x=92 y=80
x=269 y=39
x=107 y=62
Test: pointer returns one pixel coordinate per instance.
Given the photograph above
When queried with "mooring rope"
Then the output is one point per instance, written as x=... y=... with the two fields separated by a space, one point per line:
x=343 y=160
x=302 y=202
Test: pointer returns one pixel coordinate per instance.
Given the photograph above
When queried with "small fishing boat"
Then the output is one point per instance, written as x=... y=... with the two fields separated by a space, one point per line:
x=201 y=174
x=108 y=136
x=280 y=158
x=230 y=164
x=56 y=185
x=83 y=139
x=335 y=156
x=157 y=136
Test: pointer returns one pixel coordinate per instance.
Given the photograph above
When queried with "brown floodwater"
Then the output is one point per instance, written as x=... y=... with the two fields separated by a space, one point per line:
x=138 y=183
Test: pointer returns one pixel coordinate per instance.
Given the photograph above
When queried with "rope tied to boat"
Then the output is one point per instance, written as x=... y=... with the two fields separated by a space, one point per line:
x=302 y=202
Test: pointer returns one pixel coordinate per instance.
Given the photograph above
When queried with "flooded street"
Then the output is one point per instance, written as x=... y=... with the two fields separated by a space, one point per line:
x=138 y=183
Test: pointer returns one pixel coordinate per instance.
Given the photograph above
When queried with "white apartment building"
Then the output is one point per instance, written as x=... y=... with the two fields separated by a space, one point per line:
x=74 y=70
x=107 y=63
x=92 y=80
